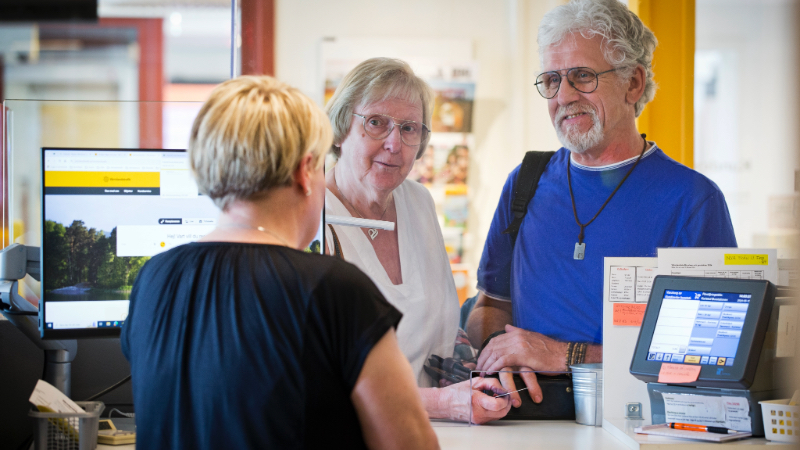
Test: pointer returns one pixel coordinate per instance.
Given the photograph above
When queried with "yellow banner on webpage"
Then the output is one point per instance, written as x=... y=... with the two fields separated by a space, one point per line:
x=102 y=179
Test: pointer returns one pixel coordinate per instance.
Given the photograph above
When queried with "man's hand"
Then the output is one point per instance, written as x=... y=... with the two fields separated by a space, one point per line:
x=527 y=375
x=522 y=348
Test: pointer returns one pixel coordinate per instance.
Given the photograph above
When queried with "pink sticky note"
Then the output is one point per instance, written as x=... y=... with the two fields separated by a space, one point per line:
x=629 y=314
x=678 y=373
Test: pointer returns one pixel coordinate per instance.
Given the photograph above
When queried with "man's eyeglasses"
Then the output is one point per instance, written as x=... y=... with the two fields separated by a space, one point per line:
x=583 y=79
x=378 y=126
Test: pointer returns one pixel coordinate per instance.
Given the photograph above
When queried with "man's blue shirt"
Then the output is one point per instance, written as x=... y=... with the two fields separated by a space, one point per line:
x=661 y=204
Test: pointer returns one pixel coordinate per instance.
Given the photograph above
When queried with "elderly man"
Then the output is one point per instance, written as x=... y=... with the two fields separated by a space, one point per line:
x=608 y=192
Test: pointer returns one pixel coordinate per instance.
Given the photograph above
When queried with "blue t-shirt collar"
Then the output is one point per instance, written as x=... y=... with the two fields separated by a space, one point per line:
x=615 y=165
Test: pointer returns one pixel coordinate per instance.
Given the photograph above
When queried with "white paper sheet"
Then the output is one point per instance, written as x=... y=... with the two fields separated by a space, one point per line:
x=695 y=409
x=45 y=394
x=728 y=412
x=663 y=430
x=622 y=284
x=737 y=413
x=644 y=283
x=743 y=263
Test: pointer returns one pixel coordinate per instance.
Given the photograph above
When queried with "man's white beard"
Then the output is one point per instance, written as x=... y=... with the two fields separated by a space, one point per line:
x=571 y=137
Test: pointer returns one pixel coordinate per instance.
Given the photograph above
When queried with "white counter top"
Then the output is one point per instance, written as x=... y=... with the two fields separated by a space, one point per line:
x=623 y=430
x=549 y=435
x=527 y=434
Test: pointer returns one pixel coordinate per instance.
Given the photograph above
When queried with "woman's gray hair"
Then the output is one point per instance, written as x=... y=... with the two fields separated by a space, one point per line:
x=372 y=81
x=627 y=42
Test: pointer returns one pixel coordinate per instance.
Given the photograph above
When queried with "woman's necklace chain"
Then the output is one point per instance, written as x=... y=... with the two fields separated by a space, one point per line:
x=372 y=232
x=261 y=229
x=580 y=246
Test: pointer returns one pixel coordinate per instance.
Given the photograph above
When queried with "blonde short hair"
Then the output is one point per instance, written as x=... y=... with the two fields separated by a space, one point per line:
x=250 y=136
x=372 y=81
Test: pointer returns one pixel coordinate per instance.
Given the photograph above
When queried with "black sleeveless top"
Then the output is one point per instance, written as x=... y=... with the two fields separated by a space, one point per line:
x=250 y=346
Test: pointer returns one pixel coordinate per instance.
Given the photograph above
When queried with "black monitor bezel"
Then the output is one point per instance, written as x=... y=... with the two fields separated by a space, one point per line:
x=742 y=373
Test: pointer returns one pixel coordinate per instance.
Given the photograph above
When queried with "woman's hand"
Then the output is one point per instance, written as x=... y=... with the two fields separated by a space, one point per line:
x=453 y=402
x=486 y=408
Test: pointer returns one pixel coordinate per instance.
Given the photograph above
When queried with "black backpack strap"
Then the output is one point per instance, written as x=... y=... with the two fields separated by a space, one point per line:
x=337 y=248
x=525 y=187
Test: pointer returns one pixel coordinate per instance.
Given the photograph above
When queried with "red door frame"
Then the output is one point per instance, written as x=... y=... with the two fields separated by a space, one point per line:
x=150 y=36
x=258 y=37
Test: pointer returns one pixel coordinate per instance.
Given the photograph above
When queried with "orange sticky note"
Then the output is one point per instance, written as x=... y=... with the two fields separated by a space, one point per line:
x=629 y=314
x=678 y=373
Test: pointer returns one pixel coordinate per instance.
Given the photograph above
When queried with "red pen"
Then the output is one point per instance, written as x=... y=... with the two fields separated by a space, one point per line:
x=693 y=427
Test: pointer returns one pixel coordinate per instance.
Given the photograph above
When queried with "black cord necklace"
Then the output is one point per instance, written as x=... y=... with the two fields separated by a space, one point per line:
x=580 y=246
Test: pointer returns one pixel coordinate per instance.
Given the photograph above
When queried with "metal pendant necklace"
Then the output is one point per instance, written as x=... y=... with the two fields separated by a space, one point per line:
x=580 y=246
x=372 y=232
x=261 y=229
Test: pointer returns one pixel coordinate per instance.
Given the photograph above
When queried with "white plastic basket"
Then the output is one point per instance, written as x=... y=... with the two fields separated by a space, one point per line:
x=781 y=421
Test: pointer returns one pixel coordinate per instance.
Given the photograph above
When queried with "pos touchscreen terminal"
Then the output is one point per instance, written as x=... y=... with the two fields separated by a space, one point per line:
x=715 y=333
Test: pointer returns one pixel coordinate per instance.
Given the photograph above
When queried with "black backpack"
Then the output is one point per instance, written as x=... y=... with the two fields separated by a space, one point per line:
x=533 y=166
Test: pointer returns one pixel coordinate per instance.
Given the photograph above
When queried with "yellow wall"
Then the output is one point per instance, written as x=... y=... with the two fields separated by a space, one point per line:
x=669 y=118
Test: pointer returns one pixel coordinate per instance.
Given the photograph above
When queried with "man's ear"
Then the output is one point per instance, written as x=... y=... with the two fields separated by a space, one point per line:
x=636 y=82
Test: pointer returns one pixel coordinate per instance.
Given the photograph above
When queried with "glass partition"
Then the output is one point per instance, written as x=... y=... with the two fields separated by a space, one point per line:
x=34 y=124
x=575 y=395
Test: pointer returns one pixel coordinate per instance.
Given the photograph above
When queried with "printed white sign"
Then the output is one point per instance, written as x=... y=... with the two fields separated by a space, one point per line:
x=622 y=285
x=644 y=283
x=695 y=409
x=737 y=413
x=741 y=263
x=728 y=412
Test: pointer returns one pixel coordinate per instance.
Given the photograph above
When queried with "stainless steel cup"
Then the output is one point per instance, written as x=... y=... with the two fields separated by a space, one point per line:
x=587 y=389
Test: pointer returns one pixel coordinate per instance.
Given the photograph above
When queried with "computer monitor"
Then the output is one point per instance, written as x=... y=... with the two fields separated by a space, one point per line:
x=105 y=213
x=716 y=324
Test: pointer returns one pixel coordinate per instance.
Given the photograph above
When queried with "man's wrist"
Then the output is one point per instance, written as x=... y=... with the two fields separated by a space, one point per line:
x=575 y=354
x=489 y=338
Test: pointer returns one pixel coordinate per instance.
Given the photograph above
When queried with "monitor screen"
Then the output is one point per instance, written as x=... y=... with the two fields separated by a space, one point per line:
x=716 y=324
x=699 y=327
x=105 y=213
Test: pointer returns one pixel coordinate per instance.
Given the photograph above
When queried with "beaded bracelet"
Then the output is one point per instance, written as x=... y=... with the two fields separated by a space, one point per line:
x=570 y=348
x=576 y=353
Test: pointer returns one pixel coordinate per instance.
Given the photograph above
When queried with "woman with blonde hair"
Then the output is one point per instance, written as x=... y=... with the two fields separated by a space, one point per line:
x=242 y=340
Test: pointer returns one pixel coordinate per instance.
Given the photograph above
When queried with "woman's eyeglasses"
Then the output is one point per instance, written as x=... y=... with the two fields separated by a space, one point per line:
x=378 y=126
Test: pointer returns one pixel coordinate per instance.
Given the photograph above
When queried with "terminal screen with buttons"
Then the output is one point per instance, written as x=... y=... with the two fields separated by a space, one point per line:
x=716 y=324
x=699 y=327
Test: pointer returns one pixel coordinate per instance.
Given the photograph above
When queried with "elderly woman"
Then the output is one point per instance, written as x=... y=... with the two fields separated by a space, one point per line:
x=381 y=113
x=243 y=340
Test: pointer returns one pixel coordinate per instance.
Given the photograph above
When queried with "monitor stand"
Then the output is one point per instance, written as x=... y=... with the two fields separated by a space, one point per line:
x=15 y=262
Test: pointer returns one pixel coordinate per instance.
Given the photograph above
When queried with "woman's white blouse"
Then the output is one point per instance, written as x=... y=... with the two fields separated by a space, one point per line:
x=427 y=297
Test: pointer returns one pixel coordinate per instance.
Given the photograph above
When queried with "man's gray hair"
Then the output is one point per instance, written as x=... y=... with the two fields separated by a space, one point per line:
x=626 y=42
